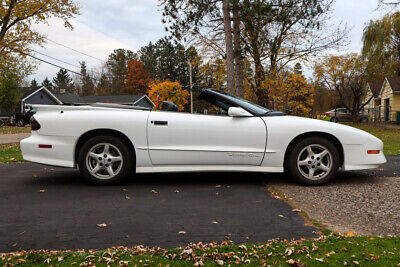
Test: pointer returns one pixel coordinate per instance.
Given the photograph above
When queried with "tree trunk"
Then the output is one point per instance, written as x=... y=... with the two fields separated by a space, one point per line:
x=238 y=51
x=230 y=65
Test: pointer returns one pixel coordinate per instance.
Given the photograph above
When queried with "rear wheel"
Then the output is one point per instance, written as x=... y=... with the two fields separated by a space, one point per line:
x=313 y=161
x=105 y=160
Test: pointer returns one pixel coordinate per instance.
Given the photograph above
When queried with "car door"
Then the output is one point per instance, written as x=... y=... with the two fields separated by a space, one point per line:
x=195 y=139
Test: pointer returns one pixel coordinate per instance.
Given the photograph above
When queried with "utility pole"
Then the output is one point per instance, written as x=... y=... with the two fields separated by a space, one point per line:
x=191 y=87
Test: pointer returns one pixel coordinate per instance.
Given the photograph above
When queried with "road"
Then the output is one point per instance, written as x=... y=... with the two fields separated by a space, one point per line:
x=51 y=208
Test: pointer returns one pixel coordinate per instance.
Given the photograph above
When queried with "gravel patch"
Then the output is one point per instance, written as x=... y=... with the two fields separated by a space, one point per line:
x=365 y=205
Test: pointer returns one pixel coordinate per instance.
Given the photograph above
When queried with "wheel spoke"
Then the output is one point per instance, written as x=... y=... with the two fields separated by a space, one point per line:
x=106 y=149
x=94 y=155
x=324 y=168
x=310 y=151
x=311 y=173
x=323 y=154
x=115 y=159
x=110 y=171
x=96 y=169
x=303 y=162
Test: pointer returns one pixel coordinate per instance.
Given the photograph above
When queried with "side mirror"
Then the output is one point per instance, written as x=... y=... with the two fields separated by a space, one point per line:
x=238 y=112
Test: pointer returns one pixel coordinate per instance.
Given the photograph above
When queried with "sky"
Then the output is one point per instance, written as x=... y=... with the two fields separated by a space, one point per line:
x=107 y=25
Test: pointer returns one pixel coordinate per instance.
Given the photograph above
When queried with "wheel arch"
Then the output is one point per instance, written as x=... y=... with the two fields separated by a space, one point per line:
x=328 y=136
x=92 y=133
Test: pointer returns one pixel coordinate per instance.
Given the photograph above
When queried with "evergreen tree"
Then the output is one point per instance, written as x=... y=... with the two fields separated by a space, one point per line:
x=117 y=67
x=298 y=69
x=63 y=81
x=87 y=85
x=47 y=84
x=34 y=85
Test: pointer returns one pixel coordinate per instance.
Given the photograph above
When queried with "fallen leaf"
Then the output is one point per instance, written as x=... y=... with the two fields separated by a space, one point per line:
x=102 y=225
x=280 y=215
x=34 y=176
x=296 y=210
x=42 y=190
x=48 y=260
x=176 y=191
x=215 y=222
x=319 y=259
x=128 y=197
x=219 y=262
x=218 y=186
x=124 y=189
x=154 y=192
x=291 y=262
x=217 y=194
x=182 y=232
x=243 y=247
x=187 y=251
x=60 y=258
x=356 y=262
x=349 y=234
x=289 y=251
x=198 y=263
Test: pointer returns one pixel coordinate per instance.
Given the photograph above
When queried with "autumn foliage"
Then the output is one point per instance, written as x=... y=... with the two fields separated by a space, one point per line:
x=169 y=91
x=137 y=79
x=290 y=92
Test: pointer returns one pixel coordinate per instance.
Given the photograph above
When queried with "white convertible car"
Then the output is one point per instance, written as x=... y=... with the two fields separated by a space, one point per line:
x=109 y=142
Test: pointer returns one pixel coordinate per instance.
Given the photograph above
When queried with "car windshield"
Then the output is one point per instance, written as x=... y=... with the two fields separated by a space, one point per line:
x=254 y=108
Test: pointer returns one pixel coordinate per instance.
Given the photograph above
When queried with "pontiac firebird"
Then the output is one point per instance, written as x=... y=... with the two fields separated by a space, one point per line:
x=109 y=142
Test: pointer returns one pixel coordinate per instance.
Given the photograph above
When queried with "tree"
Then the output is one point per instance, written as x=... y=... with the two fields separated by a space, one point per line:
x=137 y=79
x=291 y=93
x=298 y=69
x=169 y=91
x=34 y=85
x=86 y=82
x=10 y=83
x=215 y=15
x=17 y=16
x=167 y=61
x=346 y=75
x=63 y=81
x=47 y=84
x=117 y=68
x=381 y=47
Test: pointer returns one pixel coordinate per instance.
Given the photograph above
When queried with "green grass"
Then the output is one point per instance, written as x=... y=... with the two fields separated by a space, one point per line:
x=390 y=137
x=14 y=130
x=334 y=250
x=10 y=153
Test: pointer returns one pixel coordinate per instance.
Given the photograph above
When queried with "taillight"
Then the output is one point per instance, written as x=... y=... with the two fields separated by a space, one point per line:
x=34 y=124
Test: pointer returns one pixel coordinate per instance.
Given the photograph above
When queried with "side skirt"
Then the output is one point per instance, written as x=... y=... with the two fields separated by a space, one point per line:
x=195 y=168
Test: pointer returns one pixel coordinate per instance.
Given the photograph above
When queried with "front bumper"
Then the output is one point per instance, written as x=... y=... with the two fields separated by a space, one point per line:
x=61 y=154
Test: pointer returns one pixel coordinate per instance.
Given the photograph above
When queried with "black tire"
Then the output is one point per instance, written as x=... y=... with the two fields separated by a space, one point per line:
x=127 y=162
x=297 y=151
x=364 y=120
x=334 y=119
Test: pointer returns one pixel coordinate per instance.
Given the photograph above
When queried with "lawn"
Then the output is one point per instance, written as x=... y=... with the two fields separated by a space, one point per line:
x=390 y=137
x=14 y=130
x=334 y=250
x=10 y=153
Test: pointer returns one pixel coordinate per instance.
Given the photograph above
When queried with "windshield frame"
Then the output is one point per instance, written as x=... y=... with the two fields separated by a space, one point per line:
x=211 y=94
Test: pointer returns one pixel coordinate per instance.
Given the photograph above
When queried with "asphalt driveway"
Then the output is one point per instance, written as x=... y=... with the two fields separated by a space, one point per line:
x=51 y=208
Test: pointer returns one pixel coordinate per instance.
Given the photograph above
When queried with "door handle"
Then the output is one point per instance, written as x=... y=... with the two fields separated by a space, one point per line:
x=161 y=123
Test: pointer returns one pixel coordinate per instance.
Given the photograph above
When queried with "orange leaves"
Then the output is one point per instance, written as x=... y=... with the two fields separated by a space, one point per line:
x=291 y=93
x=169 y=91
x=137 y=79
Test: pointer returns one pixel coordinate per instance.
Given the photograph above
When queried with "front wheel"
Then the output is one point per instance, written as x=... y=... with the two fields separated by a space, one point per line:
x=313 y=161
x=105 y=160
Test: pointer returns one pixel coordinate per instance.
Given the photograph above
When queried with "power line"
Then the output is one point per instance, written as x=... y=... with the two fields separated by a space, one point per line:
x=76 y=66
x=42 y=60
x=73 y=49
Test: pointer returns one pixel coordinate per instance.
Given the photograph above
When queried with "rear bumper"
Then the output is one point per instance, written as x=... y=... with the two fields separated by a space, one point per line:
x=61 y=154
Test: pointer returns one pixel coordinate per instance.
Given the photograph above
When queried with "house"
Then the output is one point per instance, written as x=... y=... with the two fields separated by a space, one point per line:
x=385 y=99
x=43 y=96
x=373 y=91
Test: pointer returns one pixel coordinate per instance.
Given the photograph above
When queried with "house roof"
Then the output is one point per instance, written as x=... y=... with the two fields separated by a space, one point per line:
x=68 y=98
x=375 y=88
x=28 y=92
x=112 y=98
x=394 y=83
